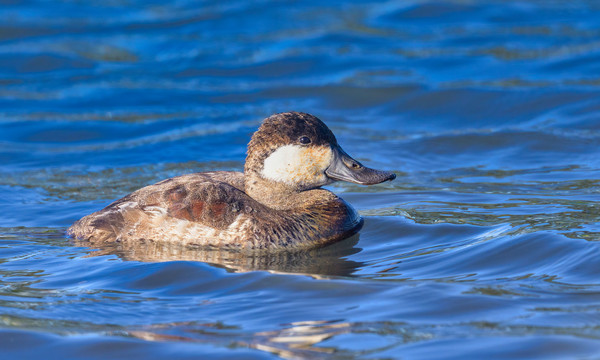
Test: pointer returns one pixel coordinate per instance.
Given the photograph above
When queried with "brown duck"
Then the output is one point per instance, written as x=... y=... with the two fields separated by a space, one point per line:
x=275 y=203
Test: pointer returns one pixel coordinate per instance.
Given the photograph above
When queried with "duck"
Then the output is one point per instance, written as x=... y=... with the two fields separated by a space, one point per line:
x=276 y=203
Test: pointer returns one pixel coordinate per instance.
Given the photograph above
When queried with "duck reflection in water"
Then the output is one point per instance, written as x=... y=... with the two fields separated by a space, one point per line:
x=326 y=261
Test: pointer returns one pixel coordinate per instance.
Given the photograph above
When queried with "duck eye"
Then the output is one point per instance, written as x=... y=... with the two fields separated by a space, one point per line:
x=304 y=140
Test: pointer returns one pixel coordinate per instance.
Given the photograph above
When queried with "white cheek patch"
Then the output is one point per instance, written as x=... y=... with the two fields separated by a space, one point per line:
x=298 y=165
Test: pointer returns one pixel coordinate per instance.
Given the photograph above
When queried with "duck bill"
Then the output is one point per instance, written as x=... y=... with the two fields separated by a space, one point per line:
x=345 y=168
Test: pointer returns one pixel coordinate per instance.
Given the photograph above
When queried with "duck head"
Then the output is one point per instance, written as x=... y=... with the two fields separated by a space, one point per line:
x=298 y=152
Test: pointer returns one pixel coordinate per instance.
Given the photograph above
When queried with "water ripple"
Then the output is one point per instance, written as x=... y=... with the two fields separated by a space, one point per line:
x=487 y=112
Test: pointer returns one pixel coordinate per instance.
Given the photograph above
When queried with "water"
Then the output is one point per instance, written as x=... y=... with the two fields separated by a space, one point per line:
x=486 y=245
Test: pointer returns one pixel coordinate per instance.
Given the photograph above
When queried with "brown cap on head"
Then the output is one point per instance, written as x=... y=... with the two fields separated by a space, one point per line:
x=288 y=127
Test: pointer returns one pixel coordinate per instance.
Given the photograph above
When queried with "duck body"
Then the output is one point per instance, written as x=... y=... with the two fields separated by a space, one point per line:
x=276 y=203
x=212 y=209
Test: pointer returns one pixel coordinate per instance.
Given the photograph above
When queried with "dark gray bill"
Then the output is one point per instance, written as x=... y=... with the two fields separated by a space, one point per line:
x=345 y=168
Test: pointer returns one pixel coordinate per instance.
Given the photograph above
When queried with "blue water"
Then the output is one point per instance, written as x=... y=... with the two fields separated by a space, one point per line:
x=485 y=246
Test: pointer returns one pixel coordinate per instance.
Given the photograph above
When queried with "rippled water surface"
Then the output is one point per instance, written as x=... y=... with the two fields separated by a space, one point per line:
x=485 y=246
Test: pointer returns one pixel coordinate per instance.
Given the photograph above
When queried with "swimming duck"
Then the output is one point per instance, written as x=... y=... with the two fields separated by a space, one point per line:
x=277 y=202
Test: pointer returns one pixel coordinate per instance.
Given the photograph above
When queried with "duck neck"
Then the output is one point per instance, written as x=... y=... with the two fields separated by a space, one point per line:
x=273 y=194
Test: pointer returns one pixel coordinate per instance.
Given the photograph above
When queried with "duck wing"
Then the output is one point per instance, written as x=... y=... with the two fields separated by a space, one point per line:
x=213 y=204
x=181 y=205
